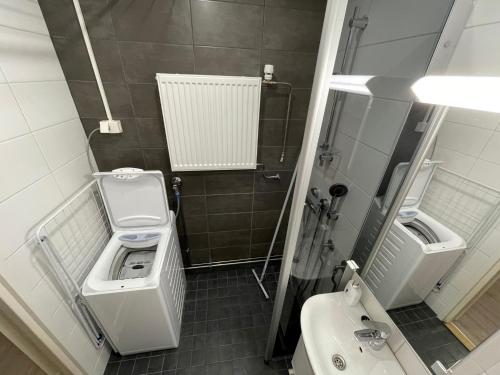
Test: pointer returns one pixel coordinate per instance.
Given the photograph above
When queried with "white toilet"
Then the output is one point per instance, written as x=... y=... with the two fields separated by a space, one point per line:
x=418 y=250
x=136 y=288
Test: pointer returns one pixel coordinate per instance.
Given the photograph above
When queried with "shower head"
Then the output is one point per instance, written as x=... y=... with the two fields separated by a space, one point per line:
x=338 y=190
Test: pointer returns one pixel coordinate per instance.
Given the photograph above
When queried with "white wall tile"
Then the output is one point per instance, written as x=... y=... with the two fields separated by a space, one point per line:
x=45 y=300
x=27 y=57
x=486 y=173
x=454 y=160
x=61 y=143
x=475 y=53
x=401 y=58
x=355 y=205
x=490 y=245
x=21 y=163
x=23 y=211
x=344 y=236
x=427 y=16
x=13 y=122
x=492 y=150
x=22 y=14
x=467 y=367
x=485 y=11
x=45 y=103
x=478 y=119
x=365 y=167
x=465 y=139
x=72 y=176
x=24 y=268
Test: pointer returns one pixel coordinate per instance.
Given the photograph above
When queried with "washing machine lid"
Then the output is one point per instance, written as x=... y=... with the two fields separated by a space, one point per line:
x=418 y=188
x=134 y=199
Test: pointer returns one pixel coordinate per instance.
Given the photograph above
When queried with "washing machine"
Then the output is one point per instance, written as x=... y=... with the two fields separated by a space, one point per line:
x=136 y=288
x=418 y=250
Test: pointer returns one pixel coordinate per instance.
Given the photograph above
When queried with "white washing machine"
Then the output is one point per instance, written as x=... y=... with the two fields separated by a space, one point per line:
x=418 y=250
x=136 y=288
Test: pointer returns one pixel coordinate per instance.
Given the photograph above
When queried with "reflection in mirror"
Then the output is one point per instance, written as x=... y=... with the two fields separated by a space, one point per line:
x=363 y=142
x=438 y=269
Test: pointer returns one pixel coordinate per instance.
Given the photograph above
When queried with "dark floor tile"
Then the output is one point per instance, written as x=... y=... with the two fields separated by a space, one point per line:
x=112 y=368
x=126 y=367
x=141 y=366
x=156 y=363
x=230 y=253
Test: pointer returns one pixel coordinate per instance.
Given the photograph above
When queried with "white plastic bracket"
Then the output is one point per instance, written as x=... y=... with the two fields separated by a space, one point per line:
x=110 y=126
x=439 y=369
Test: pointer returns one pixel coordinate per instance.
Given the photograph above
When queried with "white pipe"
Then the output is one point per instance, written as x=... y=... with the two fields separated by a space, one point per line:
x=93 y=62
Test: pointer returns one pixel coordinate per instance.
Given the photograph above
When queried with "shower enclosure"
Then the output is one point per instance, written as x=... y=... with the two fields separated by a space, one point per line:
x=359 y=139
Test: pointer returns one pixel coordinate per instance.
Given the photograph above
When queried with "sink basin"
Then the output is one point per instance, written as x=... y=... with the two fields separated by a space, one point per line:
x=327 y=325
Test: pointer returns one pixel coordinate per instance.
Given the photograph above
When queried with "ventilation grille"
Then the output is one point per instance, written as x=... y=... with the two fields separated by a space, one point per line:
x=211 y=122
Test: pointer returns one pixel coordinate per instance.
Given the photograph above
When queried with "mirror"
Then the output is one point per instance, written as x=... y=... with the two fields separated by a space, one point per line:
x=362 y=141
x=437 y=271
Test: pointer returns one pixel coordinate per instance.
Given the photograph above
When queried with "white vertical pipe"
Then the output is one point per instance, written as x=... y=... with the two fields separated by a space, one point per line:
x=93 y=62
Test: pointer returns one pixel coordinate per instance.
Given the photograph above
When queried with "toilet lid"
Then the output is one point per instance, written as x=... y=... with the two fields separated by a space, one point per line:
x=134 y=199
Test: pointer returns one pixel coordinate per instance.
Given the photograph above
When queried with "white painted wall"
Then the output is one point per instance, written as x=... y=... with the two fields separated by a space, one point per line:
x=469 y=144
x=42 y=158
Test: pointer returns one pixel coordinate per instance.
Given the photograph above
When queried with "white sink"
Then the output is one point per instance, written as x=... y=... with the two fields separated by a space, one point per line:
x=328 y=326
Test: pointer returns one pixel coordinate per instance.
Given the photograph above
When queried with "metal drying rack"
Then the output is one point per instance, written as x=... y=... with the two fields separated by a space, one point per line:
x=73 y=237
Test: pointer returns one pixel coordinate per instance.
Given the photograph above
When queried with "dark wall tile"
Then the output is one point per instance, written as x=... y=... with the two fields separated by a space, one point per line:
x=268 y=201
x=229 y=183
x=198 y=241
x=194 y=205
x=294 y=67
x=270 y=157
x=226 y=222
x=230 y=253
x=127 y=139
x=265 y=185
x=318 y=5
x=75 y=62
x=271 y=132
x=151 y=132
x=196 y=224
x=261 y=249
x=265 y=219
x=227 y=61
x=109 y=159
x=166 y=21
x=226 y=25
x=141 y=61
x=146 y=100
x=61 y=20
x=266 y=235
x=230 y=238
x=192 y=183
x=292 y=29
x=219 y=204
x=157 y=159
x=274 y=103
x=198 y=257
x=89 y=104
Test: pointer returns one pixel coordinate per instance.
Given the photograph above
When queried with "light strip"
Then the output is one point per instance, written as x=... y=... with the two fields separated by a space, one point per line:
x=351 y=84
x=478 y=93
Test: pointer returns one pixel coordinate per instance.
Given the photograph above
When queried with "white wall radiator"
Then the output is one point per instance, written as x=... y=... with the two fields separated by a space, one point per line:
x=211 y=122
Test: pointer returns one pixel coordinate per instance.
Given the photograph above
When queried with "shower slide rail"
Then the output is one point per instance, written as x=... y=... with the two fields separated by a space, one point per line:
x=72 y=239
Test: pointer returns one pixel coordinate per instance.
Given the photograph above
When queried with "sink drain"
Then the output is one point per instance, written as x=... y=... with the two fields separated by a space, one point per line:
x=339 y=362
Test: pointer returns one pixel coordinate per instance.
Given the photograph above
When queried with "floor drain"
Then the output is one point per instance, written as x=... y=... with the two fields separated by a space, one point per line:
x=339 y=362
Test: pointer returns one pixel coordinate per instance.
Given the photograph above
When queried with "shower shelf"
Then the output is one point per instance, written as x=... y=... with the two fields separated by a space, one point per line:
x=72 y=238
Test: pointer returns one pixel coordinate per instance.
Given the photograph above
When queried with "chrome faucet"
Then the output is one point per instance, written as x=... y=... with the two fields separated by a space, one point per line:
x=376 y=334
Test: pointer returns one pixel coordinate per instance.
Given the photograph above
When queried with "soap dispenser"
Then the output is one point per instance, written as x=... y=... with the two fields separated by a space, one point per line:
x=352 y=292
